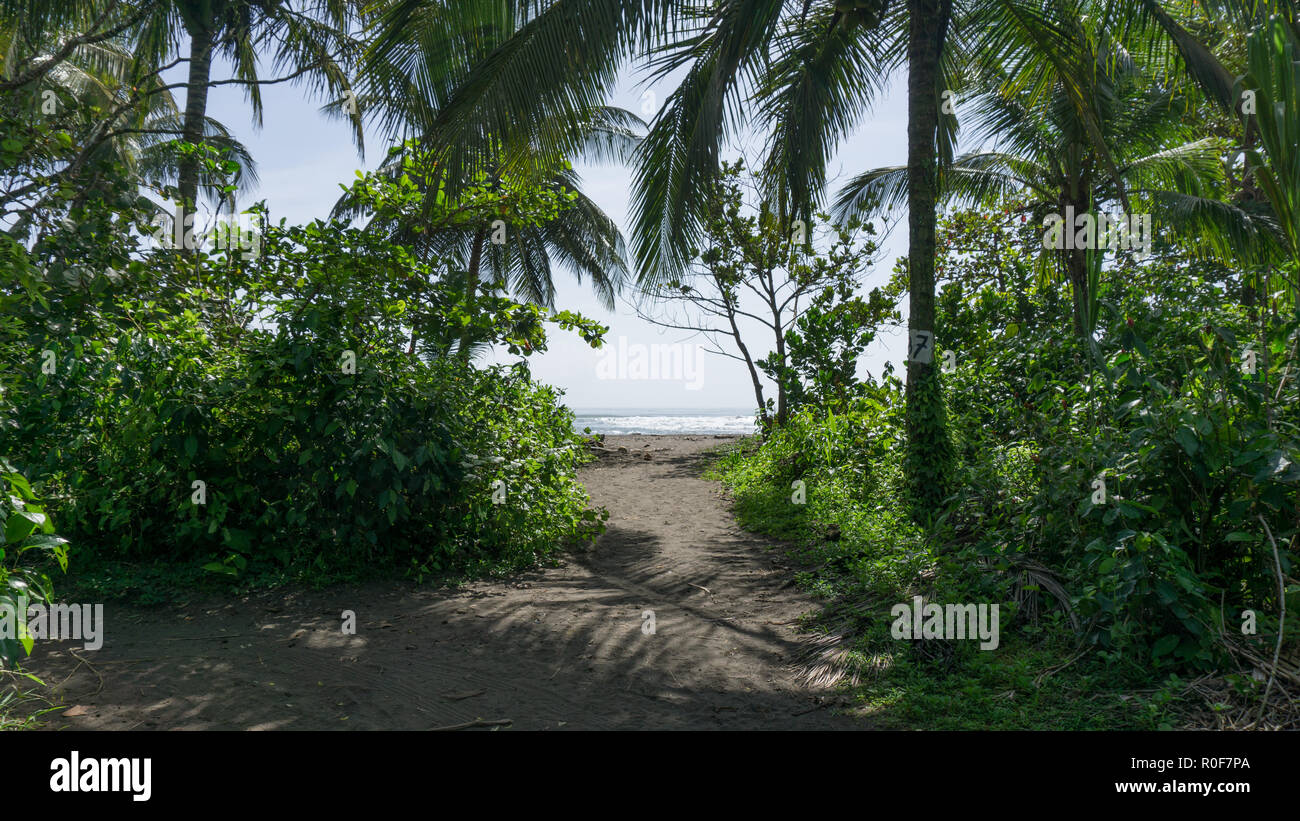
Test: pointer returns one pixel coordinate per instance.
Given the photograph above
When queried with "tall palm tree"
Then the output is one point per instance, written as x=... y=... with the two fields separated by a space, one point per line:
x=88 y=93
x=1043 y=154
x=309 y=39
x=929 y=452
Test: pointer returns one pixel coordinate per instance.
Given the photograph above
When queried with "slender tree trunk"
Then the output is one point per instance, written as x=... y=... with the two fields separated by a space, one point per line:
x=782 y=398
x=1265 y=358
x=471 y=289
x=196 y=108
x=1076 y=268
x=997 y=254
x=929 y=452
x=1076 y=199
x=749 y=363
x=1252 y=295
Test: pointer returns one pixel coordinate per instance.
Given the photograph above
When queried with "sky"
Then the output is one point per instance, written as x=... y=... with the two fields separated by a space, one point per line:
x=303 y=156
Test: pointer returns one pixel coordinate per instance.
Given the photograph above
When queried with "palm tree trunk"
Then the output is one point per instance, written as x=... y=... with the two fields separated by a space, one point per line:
x=471 y=289
x=196 y=107
x=928 y=449
x=1076 y=266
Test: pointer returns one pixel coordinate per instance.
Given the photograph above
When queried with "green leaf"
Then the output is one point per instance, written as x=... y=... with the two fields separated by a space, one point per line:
x=1126 y=408
x=1186 y=437
x=20 y=525
x=24 y=489
x=1165 y=591
x=1164 y=646
x=43 y=541
x=1275 y=464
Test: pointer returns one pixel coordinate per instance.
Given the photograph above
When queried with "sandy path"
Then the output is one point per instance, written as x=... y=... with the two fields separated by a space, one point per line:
x=561 y=647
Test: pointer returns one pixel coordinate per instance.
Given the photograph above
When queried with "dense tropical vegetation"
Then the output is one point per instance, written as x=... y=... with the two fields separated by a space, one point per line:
x=241 y=398
x=1096 y=426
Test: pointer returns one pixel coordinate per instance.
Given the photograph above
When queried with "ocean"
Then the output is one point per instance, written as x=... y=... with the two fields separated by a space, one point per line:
x=665 y=421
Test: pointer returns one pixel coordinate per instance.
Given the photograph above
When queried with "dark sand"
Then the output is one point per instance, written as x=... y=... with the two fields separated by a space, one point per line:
x=560 y=647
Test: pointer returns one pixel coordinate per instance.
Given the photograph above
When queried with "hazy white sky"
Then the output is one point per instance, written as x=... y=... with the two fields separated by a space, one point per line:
x=303 y=157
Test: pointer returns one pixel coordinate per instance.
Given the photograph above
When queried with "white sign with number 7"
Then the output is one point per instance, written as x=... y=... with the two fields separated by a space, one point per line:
x=921 y=350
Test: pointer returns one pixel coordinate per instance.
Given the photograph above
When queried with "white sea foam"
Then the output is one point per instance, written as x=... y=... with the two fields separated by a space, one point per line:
x=651 y=422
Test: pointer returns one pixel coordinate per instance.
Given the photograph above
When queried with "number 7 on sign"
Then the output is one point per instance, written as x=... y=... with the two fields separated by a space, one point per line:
x=922 y=350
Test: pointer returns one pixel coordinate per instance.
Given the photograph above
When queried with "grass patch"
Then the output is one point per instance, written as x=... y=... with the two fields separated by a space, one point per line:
x=877 y=559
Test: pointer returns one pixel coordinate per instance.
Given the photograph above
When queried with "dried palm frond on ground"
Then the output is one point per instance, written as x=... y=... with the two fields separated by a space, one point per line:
x=1034 y=577
x=1286 y=670
x=1220 y=706
x=828 y=658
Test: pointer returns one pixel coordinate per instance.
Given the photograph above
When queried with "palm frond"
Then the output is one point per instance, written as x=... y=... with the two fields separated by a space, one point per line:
x=811 y=98
x=678 y=160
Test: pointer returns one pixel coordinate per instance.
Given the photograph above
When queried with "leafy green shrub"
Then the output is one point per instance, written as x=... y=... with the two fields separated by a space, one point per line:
x=26 y=528
x=297 y=407
x=1197 y=453
x=1193 y=451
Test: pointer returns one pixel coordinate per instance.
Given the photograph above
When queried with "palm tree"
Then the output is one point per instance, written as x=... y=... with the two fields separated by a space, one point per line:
x=88 y=93
x=1044 y=155
x=308 y=38
x=929 y=451
x=406 y=78
x=1238 y=76
x=580 y=237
